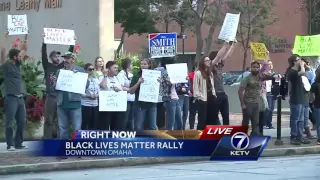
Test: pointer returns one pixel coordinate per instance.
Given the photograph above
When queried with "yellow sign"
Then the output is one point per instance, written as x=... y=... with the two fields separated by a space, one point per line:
x=307 y=45
x=259 y=51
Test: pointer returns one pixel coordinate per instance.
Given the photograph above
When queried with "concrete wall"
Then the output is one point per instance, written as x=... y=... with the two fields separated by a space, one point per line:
x=92 y=20
x=234 y=102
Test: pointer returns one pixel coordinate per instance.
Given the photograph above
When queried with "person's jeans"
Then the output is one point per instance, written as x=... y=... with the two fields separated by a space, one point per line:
x=297 y=120
x=252 y=113
x=14 y=109
x=306 y=115
x=173 y=114
x=142 y=114
x=90 y=117
x=202 y=114
x=221 y=104
x=192 y=112
x=129 y=116
x=316 y=114
x=64 y=118
x=184 y=105
x=269 y=111
x=50 y=115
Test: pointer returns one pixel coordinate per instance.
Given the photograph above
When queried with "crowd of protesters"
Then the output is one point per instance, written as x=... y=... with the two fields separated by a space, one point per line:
x=203 y=95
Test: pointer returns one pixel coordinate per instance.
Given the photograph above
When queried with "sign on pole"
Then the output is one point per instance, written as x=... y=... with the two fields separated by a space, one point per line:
x=162 y=45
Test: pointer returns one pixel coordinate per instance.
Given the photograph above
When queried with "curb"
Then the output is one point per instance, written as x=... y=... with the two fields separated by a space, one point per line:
x=121 y=162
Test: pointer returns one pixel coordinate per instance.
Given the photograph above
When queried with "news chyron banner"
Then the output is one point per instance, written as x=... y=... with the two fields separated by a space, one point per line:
x=215 y=142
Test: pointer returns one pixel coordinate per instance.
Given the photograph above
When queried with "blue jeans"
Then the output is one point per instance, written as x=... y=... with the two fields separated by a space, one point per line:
x=64 y=118
x=269 y=112
x=129 y=116
x=184 y=105
x=142 y=114
x=316 y=114
x=174 y=119
x=297 y=120
x=306 y=115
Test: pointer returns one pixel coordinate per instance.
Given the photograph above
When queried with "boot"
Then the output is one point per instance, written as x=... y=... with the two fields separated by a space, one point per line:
x=308 y=133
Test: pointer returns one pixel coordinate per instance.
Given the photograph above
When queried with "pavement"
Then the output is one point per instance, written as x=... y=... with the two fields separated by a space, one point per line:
x=21 y=161
x=279 y=168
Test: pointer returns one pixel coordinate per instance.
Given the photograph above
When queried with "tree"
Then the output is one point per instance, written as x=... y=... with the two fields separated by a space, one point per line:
x=198 y=13
x=134 y=17
x=311 y=9
x=255 y=16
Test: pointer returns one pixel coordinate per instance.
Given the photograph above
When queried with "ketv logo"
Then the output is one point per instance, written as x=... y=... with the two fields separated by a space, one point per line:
x=240 y=141
x=240 y=147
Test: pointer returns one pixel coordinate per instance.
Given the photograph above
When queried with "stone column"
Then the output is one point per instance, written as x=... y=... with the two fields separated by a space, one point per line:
x=106 y=29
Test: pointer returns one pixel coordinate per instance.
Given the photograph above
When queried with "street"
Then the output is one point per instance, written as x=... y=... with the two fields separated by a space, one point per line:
x=278 y=168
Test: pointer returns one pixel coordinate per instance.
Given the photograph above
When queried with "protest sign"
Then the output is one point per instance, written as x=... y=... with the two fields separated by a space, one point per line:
x=72 y=81
x=113 y=101
x=177 y=72
x=259 y=51
x=149 y=89
x=229 y=27
x=17 y=24
x=59 y=36
x=307 y=45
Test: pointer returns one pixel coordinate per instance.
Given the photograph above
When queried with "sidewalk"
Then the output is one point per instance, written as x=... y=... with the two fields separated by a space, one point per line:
x=21 y=161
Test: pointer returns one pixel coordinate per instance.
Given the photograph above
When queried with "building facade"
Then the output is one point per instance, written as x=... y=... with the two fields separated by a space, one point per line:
x=292 y=21
x=92 y=21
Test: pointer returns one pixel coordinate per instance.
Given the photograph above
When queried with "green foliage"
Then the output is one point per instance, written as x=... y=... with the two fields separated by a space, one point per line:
x=134 y=58
x=79 y=63
x=134 y=16
x=32 y=79
x=255 y=16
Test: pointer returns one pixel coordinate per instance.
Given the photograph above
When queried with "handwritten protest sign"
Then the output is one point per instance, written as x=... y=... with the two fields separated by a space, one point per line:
x=259 y=51
x=17 y=24
x=149 y=89
x=307 y=45
x=113 y=101
x=177 y=72
x=59 y=36
x=72 y=82
x=229 y=27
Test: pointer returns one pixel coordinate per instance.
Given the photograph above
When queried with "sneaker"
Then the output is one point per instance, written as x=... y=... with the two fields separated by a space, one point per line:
x=271 y=127
x=305 y=141
x=318 y=142
x=312 y=137
x=21 y=147
x=295 y=141
x=11 y=148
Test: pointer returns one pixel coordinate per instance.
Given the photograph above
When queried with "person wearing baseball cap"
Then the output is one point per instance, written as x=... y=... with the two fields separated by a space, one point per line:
x=50 y=71
x=69 y=103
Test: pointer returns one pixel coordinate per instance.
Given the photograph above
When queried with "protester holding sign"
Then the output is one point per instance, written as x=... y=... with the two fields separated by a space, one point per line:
x=144 y=111
x=125 y=77
x=14 y=106
x=183 y=91
x=69 y=103
x=170 y=99
x=50 y=76
x=221 y=103
x=89 y=101
x=110 y=82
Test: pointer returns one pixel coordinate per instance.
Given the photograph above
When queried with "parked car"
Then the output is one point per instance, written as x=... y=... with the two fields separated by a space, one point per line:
x=231 y=76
